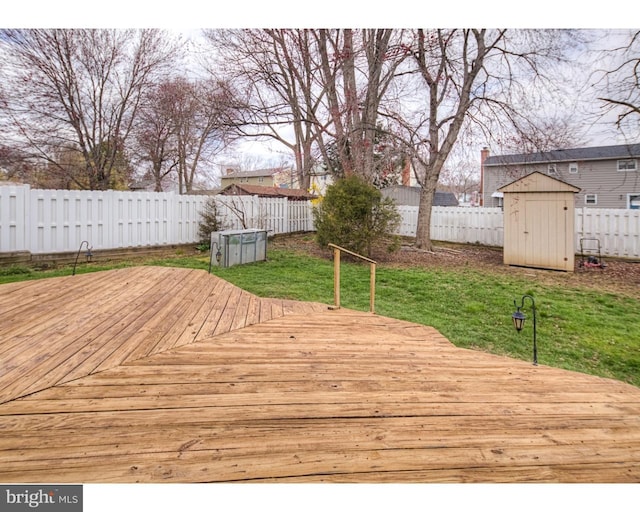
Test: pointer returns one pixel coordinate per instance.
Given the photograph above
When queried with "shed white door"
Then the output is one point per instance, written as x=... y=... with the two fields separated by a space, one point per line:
x=548 y=237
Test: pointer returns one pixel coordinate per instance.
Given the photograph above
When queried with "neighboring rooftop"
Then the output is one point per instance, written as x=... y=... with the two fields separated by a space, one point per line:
x=236 y=189
x=567 y=155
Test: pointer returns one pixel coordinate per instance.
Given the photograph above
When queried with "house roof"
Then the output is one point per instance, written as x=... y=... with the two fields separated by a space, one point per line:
x=538 y=182
x=236 y=189
x=567 y=155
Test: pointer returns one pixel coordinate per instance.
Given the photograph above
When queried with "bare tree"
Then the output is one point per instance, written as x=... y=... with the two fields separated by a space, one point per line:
x=201 y=113
x=470 y=76
x=155 y=137
x=461 y=178
x=358 y=68
x=313 y=90
x=77 y=91
x=621 y=83
x=276 y=69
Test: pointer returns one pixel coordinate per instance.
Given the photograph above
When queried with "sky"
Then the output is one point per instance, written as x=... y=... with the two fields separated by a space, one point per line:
x=188 y=14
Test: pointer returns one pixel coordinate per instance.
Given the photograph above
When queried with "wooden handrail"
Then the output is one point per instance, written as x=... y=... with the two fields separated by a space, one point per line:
x=336 y=276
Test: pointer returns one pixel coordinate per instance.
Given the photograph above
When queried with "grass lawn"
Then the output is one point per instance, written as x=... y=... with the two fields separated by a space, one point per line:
x=578 y=329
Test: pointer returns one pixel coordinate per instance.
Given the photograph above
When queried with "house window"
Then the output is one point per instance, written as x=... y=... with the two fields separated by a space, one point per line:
x=627 y=165
x=591 y=199
x=573 y=168
x=551 y=170
x=261 y=179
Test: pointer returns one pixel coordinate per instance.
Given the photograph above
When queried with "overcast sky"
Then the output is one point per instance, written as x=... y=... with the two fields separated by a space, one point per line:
x=187 y=14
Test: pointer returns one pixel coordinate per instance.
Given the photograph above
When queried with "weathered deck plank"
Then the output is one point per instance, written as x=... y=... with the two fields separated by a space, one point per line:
x=190 y=379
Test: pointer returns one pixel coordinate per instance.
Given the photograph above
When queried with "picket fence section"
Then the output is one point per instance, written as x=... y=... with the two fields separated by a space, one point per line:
x=51 y=221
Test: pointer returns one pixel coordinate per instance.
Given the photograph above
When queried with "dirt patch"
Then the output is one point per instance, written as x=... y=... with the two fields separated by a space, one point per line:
x=618 y=275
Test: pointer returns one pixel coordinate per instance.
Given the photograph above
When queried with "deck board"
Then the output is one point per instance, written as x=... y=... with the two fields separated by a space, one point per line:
x=179 y=376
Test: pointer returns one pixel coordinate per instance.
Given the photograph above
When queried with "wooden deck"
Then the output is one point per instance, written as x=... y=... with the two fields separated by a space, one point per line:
x=158 y=374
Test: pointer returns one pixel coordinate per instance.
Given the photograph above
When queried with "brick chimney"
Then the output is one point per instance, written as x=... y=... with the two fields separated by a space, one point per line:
x=406 y=173
x=484 y=154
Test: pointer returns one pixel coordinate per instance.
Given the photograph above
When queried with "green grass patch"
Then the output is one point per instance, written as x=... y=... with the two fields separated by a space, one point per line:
x=578 y=329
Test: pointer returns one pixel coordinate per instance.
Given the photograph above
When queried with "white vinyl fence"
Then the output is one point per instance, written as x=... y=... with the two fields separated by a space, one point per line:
x=50 y=221
x=274 y=214
x=617 y=230
x=54 y=221
x=456 y=224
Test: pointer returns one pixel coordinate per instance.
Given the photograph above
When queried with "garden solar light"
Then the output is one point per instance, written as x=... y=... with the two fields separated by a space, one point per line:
x=218 y=255
x=519 y=317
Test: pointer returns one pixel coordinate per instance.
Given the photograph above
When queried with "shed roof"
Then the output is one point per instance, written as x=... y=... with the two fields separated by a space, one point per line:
x=567 y=155
x=236 y=189
x=538 y=182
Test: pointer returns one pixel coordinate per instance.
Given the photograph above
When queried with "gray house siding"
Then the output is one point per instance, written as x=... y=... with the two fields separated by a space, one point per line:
x=601 y=183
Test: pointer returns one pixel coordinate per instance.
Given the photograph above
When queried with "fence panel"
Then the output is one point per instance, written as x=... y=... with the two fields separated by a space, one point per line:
x=187 y=218
x=14 y=218
x=238 y=212
x=300 y=216
x=61 y=219
x=143 y=219
x=618 y=230
x=457 y=224
x=275 y=213
x=409 y=220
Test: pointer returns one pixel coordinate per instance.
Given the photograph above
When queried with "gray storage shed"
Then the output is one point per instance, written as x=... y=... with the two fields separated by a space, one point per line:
x=539 y=222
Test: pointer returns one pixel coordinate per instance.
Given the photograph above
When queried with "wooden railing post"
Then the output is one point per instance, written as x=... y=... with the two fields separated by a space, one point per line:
x=336 y=276
x=372 y=288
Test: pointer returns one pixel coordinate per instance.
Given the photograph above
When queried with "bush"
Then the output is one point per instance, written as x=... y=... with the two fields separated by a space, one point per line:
x=354 y=215
x=208 y=222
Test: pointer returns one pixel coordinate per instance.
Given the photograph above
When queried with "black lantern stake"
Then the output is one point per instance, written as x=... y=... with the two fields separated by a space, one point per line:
x=519 y=317
x=88 y=255
x=218 y=255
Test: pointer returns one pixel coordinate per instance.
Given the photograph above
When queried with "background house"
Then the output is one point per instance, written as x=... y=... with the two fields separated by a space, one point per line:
x=607 y=176
x=283 y=177
x=320 y=179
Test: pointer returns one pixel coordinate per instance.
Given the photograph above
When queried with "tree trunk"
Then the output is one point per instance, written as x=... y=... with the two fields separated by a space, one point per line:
x=423 y=230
